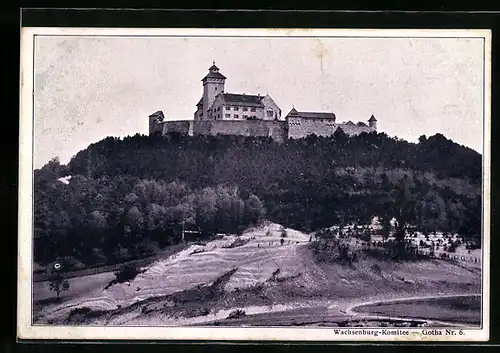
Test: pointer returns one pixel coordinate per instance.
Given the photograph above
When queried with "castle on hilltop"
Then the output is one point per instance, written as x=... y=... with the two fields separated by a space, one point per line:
x=222 y=113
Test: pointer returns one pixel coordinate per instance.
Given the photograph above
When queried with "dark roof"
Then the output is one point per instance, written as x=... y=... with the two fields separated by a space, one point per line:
x=361 y=124
x=200 y=101
x=214 y=74
x=350 y=123
x=157 y=113
x=245 y=99
x=312 y=115
x=372 y=118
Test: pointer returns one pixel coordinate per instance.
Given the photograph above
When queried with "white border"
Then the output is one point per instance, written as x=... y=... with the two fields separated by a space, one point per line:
x=27 y=331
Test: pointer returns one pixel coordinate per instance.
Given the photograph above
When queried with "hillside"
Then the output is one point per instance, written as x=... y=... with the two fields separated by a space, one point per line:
x=206 y=282
x=129 y=198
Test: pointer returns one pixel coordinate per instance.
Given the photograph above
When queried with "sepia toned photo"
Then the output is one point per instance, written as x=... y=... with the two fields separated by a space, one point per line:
x=222 y=184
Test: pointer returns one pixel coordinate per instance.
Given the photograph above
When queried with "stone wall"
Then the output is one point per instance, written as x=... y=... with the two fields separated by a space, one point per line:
x=275 y=129
x=183 y=127
x=355 y=130
x=300 y=128
x=279 y=130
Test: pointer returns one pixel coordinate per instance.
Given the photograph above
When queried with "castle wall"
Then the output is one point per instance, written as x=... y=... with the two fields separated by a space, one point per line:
x=274 y=129
x=352 y=130
x=300 y=128
x=184 y=127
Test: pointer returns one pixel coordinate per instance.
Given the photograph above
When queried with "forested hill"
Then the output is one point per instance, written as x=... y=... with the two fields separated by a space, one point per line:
x=206 y=160
x=141 y=188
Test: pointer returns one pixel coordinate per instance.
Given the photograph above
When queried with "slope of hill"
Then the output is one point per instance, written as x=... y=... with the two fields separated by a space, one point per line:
x=206 y=282
x=133 y=195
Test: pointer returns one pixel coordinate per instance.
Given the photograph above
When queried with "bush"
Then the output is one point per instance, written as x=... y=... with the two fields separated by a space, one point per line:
x=332 y=250
x=126 y=273
x=80 y=311
x=237 y=314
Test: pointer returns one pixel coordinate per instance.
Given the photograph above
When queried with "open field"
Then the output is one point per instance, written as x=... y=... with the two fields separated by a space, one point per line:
x=203 y=283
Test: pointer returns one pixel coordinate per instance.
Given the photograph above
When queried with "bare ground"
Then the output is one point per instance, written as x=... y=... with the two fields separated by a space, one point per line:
x=274 y=284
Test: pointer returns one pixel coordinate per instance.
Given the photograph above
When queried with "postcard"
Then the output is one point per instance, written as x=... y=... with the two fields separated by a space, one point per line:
x=254 y=184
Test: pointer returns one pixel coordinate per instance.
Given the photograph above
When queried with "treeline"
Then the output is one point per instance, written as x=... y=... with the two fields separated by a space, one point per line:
x=119 y=185
x=91 y=222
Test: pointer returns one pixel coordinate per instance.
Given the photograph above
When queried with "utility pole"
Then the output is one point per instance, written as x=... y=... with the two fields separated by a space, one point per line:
x=183 y=218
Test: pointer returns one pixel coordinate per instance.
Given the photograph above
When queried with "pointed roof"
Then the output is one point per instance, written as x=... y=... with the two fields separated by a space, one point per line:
x=213 y=67
x=157 y=113
x=200 y=102
x=293 y=111
x=372 y=118
x=214 y=73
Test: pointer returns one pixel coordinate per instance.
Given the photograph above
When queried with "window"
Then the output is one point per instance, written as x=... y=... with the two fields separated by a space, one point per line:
x=228 y=108
x=252 y=109
x=236 y=109
x=236 y=116
x=218 y=109
x=228 y=115
x=270 y=113
x=245 y=116
x=245 y=109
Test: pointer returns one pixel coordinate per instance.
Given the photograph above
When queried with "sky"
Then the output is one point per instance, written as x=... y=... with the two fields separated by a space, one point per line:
x=89 y=88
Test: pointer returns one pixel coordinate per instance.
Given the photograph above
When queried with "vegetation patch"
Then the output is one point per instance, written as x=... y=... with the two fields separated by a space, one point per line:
x=133 y=200
x=125 y=274
x=237 y=314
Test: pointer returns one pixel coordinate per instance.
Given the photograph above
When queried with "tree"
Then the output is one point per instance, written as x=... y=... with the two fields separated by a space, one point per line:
x=404 y=210
x=58 y=284
x=254 y=209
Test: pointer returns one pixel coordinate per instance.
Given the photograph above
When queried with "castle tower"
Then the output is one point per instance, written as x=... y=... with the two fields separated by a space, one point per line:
x=372 y=123
x=213 y=84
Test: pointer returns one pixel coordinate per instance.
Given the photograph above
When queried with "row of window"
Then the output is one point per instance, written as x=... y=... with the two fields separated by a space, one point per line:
x=245 y=109
x=236 y=116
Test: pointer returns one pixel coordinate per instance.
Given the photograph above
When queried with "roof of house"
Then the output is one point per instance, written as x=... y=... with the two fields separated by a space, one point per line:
x=200 y=102
x=312 y=115
x=372 y=118
x=244 y=99
x=361 y=124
